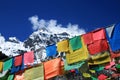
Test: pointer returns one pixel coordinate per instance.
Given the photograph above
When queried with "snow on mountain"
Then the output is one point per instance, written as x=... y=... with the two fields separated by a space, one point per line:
x=12 y=47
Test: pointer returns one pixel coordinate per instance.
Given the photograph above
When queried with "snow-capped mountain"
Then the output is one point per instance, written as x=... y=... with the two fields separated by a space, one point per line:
x=37 y=42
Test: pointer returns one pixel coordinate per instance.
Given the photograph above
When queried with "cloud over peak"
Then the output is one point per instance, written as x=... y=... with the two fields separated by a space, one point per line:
x=53 y=26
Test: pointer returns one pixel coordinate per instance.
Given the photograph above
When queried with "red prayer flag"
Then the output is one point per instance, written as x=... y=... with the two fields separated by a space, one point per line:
x=28 y=58
x=98 y=46
x=98 y=34
x=87 y=38
x=18 y=60
x=102 y=77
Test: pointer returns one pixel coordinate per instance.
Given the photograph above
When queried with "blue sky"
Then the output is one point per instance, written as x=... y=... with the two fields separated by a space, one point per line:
x=88 y=14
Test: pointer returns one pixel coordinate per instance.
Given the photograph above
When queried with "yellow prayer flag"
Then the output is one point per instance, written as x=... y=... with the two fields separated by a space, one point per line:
x=34 y=73
x=92 y=71
x=62 y=46
x=77 y=55
x=1 y=66
x=86 y=75
x=100 y=58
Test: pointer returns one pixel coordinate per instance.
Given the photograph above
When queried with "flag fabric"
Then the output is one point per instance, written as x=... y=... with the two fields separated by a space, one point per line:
x=11 y=77
x=19 y=75
x=118 y=66
x=108 y=66
x=114 y=40
x=34 y=73
x=98 y=67
x=102 y=77
x=7 y=64
x=77 y=55
x=18 y=60
x=63 y=46
x=99 y=34
x=84 y=68
x=98 y=46
x=86 y=75
x=100 y=58
x=75 y=43
x=51 y=50
x=1 y=66
x=96 y=41
x=88 y=39
x=16 y=69
x=109 y=31
x=77 y=65
x=94 y=78
x=29 y=58
x=52 y=68
x=95 y=35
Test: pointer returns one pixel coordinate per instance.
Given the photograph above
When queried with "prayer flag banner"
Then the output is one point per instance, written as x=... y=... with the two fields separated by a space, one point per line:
x=51 y=50
x=84 y=68
x=7 y=64
x=95 y=35
x=63 y=46
x=52 y=68
x=108 y=66
x=98 y=68
x=75 y=42
x=114 y=39
x=15 y=69
x=101 y=58
x=28 y=58
x=11 y=77
x=99 y=34
x=18 y=60
x=19 y=75
x=88 y=39
x=109 y=31
x=77 y=55
x=98 y=46
x=86 y=75
x=77 y=65
x=34 y=73
x=1 y=66
x=102 y=77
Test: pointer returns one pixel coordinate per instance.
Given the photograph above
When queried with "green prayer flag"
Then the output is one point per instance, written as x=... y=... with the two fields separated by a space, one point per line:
x=75 y=43
x=7 y=64
x=99 y=68
x=10 y=77
x=94 y=78
x=118 y=66
x=73 y=66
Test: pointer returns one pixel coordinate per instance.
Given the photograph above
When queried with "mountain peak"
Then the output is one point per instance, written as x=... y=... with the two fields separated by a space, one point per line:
x=13 y=39
x=43 y=29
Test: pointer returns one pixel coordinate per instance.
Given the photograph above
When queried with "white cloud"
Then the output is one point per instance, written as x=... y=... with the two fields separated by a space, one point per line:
x=54 y=27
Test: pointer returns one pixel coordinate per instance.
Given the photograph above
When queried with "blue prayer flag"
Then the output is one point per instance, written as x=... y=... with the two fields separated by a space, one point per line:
x=51 y=50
